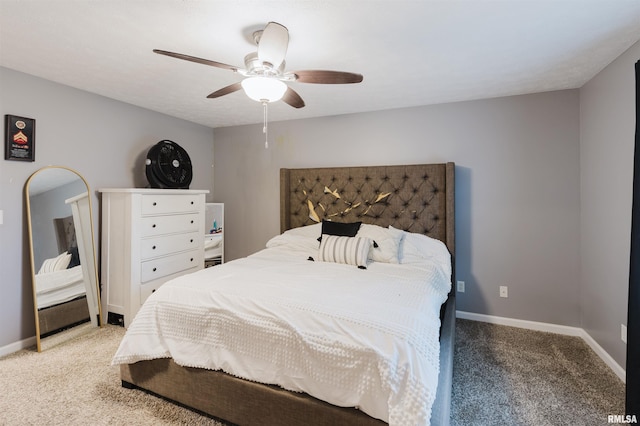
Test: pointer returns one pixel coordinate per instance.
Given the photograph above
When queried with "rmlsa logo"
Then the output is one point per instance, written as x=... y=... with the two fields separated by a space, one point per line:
x=629 y=418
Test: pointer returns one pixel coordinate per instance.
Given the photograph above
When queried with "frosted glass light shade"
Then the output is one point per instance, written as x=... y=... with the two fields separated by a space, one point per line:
x=264 y=89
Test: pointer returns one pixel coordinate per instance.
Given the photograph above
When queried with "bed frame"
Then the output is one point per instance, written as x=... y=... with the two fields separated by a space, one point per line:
x=416 y=198
x=63 y=316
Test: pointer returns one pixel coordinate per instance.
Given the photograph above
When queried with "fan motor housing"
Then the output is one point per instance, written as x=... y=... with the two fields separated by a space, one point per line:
x=168 y=166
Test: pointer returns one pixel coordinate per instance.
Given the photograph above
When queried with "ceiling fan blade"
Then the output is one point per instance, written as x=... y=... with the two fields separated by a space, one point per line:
x=327 y=77
x=195 y=59
x=225 y=90
x=292 y=98
x=273 y=44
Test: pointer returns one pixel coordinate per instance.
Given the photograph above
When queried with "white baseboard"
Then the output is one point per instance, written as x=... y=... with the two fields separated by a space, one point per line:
x=550 y=328
x=604 y=355
x=17 y=346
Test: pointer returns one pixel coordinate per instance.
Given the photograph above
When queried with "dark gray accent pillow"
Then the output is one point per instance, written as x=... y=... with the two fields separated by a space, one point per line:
x=75 y=257
x=340 y=229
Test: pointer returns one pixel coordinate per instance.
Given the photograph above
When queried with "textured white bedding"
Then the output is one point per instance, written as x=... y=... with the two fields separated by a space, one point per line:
x=57 y=287
x=351 y=337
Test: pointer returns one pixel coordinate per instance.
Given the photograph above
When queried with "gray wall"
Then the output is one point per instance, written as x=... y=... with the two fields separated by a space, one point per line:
x=607 y=126
x=517 y=182
x=104 y=140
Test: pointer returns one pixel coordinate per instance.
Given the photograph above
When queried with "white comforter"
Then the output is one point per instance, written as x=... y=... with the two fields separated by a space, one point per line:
x=351 y=337
x=57 y=287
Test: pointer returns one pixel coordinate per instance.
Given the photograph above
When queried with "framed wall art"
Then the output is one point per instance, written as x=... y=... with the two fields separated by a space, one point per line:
x=20 y=138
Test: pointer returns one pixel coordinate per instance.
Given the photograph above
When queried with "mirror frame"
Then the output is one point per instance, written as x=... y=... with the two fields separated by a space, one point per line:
x=100 y=319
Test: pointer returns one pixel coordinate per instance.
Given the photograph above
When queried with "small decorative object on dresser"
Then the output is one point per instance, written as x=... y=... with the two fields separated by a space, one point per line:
x=148 y=237
x=214 y=234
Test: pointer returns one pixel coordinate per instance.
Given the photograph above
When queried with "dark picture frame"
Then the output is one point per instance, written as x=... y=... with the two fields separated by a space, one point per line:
x=19 y=138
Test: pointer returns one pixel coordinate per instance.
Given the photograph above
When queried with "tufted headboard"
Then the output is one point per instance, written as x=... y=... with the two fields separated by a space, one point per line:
x=65 y=233
x=416 y=198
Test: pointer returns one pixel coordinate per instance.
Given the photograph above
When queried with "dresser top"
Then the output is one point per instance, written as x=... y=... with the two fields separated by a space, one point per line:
x=155 y=191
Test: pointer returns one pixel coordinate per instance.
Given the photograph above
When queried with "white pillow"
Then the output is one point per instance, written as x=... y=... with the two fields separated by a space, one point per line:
x=58 y=263
x=347 y=250
x=304 y=238
x=386 y=240
x=417 y=247
x=312 y=231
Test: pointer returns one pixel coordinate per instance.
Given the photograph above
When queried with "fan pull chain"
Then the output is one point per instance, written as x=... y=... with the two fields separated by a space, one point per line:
x=264 y=127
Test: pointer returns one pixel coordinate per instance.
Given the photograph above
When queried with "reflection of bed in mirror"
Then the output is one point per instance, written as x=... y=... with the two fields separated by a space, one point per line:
x=61 y=299
x=64 y=296
x=63 y=260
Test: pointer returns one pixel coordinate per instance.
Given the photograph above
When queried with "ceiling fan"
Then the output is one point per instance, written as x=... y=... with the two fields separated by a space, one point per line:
x=265 y=70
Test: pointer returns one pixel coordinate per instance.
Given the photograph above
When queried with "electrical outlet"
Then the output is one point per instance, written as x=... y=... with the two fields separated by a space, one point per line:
x=460 y=286
x=623 y=332
x=504 y=291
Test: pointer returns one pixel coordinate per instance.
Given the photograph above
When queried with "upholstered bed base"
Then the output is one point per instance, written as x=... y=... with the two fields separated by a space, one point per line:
x=417 y=198
x=236 y=400
x=64 y=315
x=242 y=402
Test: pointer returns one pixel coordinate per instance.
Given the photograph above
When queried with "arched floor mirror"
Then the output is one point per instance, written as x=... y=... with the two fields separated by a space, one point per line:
x=66 y=295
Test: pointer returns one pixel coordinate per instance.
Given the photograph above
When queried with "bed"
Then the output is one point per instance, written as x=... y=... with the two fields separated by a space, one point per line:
x=62 y=301
x=60 y=284
x=53 y=288
x=418 y=199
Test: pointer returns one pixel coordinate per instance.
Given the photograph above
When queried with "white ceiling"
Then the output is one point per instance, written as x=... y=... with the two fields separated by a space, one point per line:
x=410 y=52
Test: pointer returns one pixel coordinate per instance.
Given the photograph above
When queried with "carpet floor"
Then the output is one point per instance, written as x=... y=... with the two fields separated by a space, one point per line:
x=502 y=376
x=73 y=383
x=511 y=376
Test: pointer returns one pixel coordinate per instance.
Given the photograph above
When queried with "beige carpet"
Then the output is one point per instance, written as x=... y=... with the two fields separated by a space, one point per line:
x=74 y=384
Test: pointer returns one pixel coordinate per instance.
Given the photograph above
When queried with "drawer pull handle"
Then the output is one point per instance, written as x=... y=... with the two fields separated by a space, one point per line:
x=155 y=204
x=155 y=269
x=153 y=291
x=192 y=203
x=191 y=240
x=192 y=221
x=153 y=226
x=192 y=259
x=153 y=248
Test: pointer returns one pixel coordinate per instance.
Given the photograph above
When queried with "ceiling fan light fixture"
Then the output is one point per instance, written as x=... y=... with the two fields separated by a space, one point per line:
x=264 y=89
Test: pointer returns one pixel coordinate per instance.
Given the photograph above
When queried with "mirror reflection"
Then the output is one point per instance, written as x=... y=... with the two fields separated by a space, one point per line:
x=65 y=285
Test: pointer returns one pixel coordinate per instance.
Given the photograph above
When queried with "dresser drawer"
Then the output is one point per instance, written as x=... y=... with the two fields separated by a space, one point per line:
x=164 y=204
x=160 y=225
x=148 y=288
x=160 y=246
x=163 y=266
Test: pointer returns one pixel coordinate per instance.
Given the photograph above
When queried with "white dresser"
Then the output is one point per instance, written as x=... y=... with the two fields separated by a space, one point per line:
x=149 y=236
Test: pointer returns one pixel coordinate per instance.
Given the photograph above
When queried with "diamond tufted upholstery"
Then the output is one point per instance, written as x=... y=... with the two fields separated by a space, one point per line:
x=416 y=198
